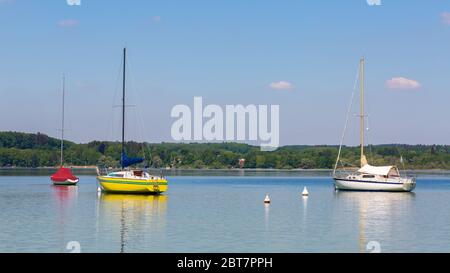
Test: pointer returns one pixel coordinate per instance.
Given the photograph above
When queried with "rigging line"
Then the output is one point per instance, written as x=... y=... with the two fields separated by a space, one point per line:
x=368 y=128
x=346 y=122
x=135 y=93
x=132 y=95
x=402 y=161
x=112 y=136
x=140 y=124
x=145 y=145
x=369 y=138
x=62 y=123
x=141 y=121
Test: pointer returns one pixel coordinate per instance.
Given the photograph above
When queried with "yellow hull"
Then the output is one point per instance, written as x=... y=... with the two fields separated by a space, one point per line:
x=121 y=185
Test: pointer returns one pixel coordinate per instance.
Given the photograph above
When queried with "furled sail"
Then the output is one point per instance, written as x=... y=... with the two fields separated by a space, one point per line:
x=383 y=170
x=128 y=161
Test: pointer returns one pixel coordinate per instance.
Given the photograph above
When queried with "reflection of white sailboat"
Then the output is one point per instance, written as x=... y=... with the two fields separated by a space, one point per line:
x=377 y=214
x=371 y=178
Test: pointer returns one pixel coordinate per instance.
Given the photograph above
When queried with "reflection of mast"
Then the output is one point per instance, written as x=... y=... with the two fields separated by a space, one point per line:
x=122 y=229
x=362 y=226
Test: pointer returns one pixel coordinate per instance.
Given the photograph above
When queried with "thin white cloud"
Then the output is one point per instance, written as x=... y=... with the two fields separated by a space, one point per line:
x=156 y=18
x=402 y=83
x=282 y=85
x=374 y=2
x=68 y=23
x=445 y=16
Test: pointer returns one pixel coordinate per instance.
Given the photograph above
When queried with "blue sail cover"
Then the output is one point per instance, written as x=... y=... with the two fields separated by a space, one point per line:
x=128 y=161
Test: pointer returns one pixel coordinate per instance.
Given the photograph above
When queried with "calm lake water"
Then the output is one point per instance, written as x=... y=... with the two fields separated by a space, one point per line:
x=223 y=214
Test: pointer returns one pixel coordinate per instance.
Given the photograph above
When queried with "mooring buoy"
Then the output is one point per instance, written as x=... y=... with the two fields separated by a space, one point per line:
x=267 y=199
x=305 y=192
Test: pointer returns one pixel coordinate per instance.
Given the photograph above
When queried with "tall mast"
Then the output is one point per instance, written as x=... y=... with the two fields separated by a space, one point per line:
x=123 y=99
x=362 y=116
x=62 y=121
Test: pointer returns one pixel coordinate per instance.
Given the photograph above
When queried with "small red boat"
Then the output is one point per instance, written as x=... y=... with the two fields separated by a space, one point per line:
x=64 y=177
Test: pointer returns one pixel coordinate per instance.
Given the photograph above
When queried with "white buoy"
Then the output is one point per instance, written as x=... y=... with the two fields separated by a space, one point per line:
x=99 y=189
x=305 y=192
x=267 y=199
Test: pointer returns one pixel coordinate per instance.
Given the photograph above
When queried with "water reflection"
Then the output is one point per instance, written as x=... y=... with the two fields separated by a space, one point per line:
x=305 y=207
x=266 y=215
x=65 y=198
x=132 y=218
x=377 y=212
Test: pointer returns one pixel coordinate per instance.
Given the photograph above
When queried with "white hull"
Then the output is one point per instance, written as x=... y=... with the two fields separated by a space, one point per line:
x=68 y=182
x=401 y=185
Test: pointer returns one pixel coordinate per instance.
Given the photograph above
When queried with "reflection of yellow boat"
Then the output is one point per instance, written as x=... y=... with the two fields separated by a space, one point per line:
x=143 y=200
x=132 y=219
x=150 y=205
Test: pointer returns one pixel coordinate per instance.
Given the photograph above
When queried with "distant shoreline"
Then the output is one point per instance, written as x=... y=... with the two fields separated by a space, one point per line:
x=93 y=169
x=49 y=168
x=38 y=150
x=204 y=169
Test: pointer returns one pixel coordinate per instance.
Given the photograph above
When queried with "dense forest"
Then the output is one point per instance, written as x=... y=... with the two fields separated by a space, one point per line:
x=40 y=150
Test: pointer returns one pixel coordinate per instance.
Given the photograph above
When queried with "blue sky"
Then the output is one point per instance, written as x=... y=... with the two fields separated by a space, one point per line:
x=228 y=52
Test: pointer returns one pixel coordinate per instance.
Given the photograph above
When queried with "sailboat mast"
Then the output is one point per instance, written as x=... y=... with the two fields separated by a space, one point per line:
x=123 y=99
x=362 y=116
x=62 y=121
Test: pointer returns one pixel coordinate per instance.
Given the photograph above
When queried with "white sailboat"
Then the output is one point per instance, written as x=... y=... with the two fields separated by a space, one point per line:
x=370 y=178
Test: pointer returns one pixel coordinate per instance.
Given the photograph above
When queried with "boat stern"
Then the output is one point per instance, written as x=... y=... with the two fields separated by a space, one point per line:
x=409 y=184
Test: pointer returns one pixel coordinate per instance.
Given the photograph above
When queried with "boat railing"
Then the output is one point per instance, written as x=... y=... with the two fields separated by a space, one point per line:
x=102 y=170
x=409 y=176
x=343 y=173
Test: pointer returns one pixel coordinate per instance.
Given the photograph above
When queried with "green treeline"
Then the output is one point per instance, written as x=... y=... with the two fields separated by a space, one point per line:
x=39 y=150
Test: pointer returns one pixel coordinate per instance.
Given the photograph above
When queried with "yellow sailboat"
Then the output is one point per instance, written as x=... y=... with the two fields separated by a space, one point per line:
x=130 y=180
